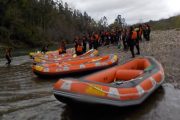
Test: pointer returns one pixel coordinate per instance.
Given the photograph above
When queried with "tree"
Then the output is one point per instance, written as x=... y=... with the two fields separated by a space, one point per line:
x=38 y=22
x=103 y=24
x=119 y=22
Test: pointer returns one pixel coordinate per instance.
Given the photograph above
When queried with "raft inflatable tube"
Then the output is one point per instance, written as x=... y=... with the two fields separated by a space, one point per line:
x=124 y=85
x=49 y=53
x=75 y=66
x=63 y=57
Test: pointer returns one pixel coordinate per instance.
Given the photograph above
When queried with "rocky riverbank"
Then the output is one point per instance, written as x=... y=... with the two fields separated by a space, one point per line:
x=164 y=46
x=24 y=96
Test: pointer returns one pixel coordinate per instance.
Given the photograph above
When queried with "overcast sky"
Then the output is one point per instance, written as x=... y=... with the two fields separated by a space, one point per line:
x=132 y=10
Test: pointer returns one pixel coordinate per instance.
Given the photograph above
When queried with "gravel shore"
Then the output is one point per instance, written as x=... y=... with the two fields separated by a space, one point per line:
x=164 y=46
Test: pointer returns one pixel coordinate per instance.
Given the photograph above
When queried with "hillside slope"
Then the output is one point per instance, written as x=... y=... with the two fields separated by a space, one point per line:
x=164 y=24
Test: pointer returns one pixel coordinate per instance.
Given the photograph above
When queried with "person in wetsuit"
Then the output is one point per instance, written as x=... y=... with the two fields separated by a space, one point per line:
x=140 y=32
x=79 y=49
x=84 y=41
x=62 y=48
x=124 y=39
x=91 y=41
x=44 y=49
x=96 y=40
x=8 y=55
x=148 y=31
x=76 y=39
x=132 y=41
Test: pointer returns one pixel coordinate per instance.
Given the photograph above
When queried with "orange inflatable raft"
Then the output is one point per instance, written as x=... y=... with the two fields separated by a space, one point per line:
x=123 y=85
x=65 y=57
x=75 y=66
x=51 y=54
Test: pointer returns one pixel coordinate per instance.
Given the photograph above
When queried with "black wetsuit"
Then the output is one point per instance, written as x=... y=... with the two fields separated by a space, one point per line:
x=84 y=44
x=95 y=43
x=137 y=46
x=8 y=59
x=148 y=32
x=131 y=44
x=124 y=39
x=44 y=49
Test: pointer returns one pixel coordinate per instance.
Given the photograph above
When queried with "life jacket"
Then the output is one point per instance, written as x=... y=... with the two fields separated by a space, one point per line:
x=96 y=37
x=134 y=35
x=60 y=50
x=79 y=48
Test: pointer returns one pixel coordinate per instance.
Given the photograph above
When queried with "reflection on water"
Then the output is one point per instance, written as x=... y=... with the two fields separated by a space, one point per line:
x=24 y=96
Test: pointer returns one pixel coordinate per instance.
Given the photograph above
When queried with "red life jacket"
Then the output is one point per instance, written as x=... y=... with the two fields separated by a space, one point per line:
x=60 y=50
x=79 y=48
x=96 y=37
x=134 y=35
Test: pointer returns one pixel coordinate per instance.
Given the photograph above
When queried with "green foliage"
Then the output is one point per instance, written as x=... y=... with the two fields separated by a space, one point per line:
x=37 y=22
x=164 y=24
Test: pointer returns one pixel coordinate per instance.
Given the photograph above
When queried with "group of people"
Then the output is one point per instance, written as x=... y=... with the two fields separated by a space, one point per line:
x=133 y=35
x=128 y=37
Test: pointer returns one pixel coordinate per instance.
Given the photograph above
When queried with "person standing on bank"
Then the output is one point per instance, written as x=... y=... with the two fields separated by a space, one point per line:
x=76 y=39
x=138 y=38
x=148 y=31
x=96 y=40
x=8 y=55
x=140 y=31
x=124 y=39
x=44 y=49
x=132 y=37
x=62 y=48
x=91 y=41
x=84 y=40
x=79 y=49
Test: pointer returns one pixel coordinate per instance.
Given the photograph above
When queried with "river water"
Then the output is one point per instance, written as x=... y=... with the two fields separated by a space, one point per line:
x=24 y=96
